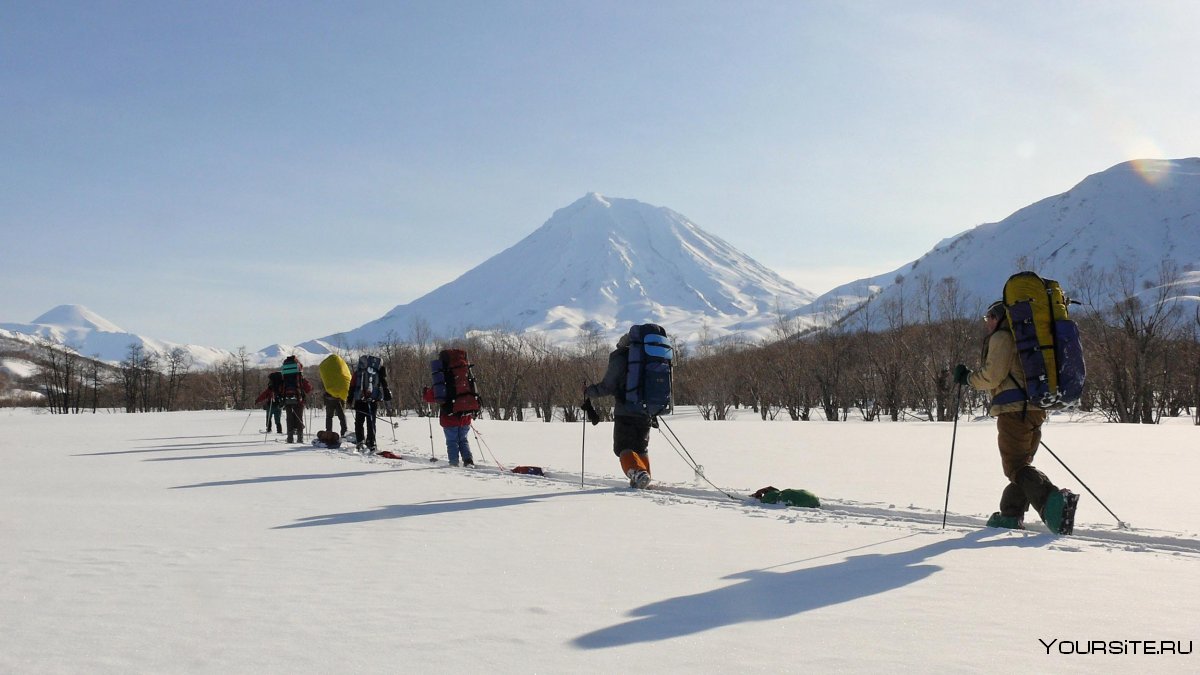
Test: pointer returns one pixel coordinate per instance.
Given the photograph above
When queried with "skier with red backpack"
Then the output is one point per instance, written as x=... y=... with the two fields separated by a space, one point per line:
x=294 y=391
x=454 y=389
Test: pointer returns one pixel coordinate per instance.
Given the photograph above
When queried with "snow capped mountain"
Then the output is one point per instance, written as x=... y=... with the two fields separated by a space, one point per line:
x=86 y=332
x=602 y=263
x=1136 y=214
x=76 y=318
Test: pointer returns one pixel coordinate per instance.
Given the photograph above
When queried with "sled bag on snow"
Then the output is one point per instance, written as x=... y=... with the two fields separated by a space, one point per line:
x=1047 y=342
x=454 y=382
x=335 y=376
x=529 y=470
x=648 y=376
x=773 y=495
x=292 y=373
x=367 y=386
x=329 y=438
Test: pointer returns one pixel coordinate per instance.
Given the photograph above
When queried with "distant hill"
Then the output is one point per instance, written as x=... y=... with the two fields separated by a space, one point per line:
x=80 y=329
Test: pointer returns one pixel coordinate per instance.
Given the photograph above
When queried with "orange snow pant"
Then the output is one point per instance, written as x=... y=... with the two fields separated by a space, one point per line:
x=632 y=461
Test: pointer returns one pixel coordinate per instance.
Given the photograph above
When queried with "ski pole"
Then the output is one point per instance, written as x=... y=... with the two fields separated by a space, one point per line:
x=1120 y=523
x=432 y=452
x=244 y=423
x=376 y=418
x=583 y=451
x=268 y=430
x=953 y=439
x=394 y=424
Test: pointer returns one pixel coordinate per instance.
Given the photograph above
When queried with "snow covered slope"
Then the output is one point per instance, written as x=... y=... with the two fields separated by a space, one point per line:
x=1136 y=214
x=80 y=329
x=604 y=263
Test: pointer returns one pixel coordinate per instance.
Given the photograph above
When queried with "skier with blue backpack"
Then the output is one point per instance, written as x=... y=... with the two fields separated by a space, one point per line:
x=368 y=386
x=638 y=378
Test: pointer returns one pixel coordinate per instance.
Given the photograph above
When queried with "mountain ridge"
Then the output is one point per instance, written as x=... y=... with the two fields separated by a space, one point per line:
x=1135 y=214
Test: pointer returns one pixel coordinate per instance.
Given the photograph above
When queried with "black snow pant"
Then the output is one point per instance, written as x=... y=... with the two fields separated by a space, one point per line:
x=294 y=412
x=364 y=413
x=333 y=408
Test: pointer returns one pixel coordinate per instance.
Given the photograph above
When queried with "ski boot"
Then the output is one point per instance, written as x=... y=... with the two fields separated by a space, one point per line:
x=639 y=479
x=1059 y=511
x=1007 y=522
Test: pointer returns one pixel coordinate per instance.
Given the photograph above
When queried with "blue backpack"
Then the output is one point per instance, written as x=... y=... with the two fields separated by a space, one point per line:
x=368 y=388
x=648 y=375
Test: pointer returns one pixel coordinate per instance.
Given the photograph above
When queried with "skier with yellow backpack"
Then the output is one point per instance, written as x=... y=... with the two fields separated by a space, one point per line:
x=1032 y=362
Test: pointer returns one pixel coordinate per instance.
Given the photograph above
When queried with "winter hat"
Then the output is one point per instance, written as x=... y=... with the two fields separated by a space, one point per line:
x=995 y=310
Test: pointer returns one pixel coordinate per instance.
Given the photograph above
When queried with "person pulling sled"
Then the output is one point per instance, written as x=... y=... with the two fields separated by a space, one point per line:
x=638 y=378
x=368 y=386
x=457 y=395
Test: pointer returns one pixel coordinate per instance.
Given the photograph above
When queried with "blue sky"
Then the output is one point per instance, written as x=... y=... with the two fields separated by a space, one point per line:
x=245 y=173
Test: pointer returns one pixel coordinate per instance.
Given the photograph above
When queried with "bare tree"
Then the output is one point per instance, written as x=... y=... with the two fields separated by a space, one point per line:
x=1128 y=327
x=178 y=365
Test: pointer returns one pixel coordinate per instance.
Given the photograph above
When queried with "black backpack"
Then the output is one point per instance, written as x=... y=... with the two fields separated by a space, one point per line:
x=367 y=386
x=275 y=384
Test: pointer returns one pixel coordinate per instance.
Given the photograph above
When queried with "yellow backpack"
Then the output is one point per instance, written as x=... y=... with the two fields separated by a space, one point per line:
x=1047 y=340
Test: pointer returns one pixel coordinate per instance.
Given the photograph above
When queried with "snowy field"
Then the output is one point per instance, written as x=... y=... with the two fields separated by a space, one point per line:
x=177 y=543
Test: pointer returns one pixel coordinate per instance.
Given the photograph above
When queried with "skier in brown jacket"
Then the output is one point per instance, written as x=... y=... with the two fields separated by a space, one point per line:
x=1019 y=426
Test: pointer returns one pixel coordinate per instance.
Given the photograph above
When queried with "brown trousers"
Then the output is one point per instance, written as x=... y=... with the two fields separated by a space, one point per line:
x=1019 y=435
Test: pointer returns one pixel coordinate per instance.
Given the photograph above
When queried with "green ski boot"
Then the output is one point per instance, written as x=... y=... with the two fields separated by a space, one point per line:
x=1059 y=511
x=1006 y=522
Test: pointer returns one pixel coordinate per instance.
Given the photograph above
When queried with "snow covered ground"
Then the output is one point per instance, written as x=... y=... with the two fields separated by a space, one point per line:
x=165 y=543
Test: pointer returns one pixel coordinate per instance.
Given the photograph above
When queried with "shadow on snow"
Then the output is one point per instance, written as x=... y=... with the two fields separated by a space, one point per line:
x=425 y=509
x=280 y=479
x=763 y=595
x=210 y=445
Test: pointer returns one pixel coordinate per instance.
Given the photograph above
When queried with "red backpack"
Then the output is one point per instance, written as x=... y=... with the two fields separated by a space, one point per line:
x=454 y=383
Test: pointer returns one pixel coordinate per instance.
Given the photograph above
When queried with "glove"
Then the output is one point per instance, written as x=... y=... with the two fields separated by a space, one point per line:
x=592 y=415
x=961 y=373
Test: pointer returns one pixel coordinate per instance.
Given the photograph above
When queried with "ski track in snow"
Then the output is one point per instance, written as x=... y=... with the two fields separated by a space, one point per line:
x=880 y=515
